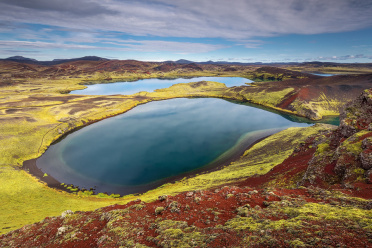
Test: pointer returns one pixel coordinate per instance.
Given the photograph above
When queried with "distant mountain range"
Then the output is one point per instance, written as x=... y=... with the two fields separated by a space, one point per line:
x=210 y=62
x=22 y=59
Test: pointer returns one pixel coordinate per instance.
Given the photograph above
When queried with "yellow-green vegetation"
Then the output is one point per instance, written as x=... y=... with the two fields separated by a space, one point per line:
x=25 y=200
x=301 y=214
x=266 y=98
x=353 y=144
x=205 y=88
x=178 y=234
x=369 y=92
x=265 y=76
x=321 y=148
x=322 y=106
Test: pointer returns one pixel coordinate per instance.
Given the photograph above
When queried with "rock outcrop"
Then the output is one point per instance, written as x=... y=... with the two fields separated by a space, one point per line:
x=345 y=154
x=357 y=115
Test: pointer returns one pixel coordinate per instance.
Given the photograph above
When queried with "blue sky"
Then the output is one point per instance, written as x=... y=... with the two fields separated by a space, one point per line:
x=199 y=30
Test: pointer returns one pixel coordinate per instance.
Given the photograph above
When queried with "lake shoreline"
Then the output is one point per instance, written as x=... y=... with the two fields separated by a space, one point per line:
x=30 y=167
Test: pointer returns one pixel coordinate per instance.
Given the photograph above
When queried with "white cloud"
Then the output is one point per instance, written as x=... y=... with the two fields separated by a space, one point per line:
x=40 y=44
x=344 y=57
x=238 y=19
x=102 y=24
x=122 y=45
x=73 y=7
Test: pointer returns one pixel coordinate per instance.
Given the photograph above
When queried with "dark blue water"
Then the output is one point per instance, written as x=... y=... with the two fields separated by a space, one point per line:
x=155 y=141
x=149 y=85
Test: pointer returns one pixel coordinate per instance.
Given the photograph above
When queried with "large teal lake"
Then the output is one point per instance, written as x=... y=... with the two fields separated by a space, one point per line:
x=151 y=84
x=159 y=141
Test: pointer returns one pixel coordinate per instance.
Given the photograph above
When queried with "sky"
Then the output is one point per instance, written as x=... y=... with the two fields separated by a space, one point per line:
x=199 y=30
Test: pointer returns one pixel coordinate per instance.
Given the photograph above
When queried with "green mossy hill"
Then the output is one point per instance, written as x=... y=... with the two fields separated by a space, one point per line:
x=344 y=156
x=318 y=107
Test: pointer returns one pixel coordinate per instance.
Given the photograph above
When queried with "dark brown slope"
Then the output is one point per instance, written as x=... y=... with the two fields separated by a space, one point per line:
x=338 y=87
x=330 y=92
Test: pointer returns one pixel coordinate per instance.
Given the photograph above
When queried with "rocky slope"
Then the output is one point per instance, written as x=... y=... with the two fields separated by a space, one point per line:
x=344 y=155
x=320 y=196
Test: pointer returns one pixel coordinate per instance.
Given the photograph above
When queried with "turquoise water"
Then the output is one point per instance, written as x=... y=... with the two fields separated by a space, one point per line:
x=149 y=85
x=157 y=141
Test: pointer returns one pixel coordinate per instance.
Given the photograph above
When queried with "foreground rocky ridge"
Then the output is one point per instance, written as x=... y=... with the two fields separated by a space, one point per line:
x=320 y=196
x=225 y=217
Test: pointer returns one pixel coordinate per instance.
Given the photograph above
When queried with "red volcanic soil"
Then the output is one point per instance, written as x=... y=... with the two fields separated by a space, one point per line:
x=348 y=86
x=194 y=214
x=288 y=100
x=286 y=172
x=306 y=94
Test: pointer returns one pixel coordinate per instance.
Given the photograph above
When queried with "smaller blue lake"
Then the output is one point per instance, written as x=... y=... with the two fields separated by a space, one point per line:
x=151 y=84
